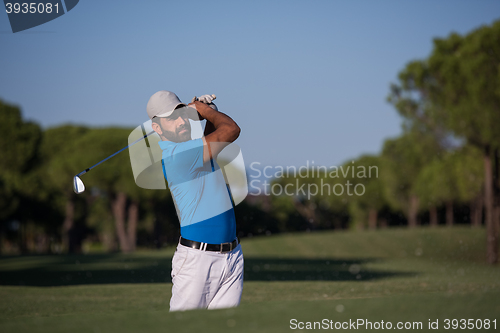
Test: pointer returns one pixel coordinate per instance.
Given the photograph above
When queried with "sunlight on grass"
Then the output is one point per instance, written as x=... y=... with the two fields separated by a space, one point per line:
x=395 y=274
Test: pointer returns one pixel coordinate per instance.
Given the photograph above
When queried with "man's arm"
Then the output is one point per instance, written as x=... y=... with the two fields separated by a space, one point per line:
x=221 y=130
x=209 y=128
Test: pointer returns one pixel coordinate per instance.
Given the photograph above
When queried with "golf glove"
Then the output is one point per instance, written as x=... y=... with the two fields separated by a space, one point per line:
x=207 y=99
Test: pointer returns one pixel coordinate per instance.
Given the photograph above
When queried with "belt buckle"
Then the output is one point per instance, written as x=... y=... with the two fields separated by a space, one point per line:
x=222 y=247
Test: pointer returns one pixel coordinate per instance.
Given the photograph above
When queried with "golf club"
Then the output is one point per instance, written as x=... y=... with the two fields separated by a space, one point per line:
x=78 y=185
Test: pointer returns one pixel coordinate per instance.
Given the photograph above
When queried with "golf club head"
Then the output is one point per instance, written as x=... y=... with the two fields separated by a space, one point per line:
x=78 y=186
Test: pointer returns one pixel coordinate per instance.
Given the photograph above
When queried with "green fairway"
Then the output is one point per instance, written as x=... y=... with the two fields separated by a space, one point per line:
x=395 y=275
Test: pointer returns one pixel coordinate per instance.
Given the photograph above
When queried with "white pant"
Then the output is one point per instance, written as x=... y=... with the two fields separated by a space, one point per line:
x=206 y=279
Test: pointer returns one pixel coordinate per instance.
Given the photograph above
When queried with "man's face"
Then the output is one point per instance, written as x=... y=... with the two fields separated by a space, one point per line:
x=176 y=127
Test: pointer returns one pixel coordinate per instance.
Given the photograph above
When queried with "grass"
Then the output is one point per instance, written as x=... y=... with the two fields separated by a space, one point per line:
x=392 y=275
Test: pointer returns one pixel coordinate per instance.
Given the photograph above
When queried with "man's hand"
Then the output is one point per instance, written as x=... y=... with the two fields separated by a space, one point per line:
x=207 y=99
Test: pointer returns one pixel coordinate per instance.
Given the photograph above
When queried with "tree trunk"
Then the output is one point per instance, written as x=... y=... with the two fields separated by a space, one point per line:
x=372 y=219
x=476 y=211
x=449 y=213
x=491 y=235
x=133 y=216
x=496 y=198
x=433 y=216
x=108 y=239
x=496 y=218
x=413 y=211
x=68 y=225
x=119 y=207
x=42 y=243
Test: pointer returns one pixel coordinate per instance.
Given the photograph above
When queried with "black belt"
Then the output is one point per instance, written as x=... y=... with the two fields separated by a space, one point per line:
x=223 y=247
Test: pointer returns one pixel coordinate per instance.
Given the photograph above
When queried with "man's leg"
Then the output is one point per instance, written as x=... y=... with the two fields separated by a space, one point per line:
x=196 y=277
x=229 y=293
x=187 y=288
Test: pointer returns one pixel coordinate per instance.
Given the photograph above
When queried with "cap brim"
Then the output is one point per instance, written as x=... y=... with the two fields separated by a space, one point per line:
x=167 y=114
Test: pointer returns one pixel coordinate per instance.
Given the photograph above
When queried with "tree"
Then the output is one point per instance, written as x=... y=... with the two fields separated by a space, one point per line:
x=19 y=143
x=114 y=180
x=287 y=201
x=436 y=185
x=364 y=208
x=455 y=91
x=412 y=99
x=402 y=160
x=308 y=193
x=58 y=157
x=470 y=180
x=466 y=70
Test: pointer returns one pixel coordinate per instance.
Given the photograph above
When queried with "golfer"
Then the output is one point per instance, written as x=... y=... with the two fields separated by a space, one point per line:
x=207 y=267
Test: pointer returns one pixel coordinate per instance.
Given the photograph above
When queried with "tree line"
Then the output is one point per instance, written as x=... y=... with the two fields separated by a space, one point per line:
x=448 y=154
x=443 y=169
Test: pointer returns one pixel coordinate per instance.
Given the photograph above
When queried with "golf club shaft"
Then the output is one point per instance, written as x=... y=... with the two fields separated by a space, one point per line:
x=119 y=151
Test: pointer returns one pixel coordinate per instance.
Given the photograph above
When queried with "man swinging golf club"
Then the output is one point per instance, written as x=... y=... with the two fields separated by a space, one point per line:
x=207 y=267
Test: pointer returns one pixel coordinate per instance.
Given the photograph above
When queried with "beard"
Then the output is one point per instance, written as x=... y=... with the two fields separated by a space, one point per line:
x=181 y=134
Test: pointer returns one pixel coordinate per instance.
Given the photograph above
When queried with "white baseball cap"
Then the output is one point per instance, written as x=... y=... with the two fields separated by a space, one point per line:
x=162 y=104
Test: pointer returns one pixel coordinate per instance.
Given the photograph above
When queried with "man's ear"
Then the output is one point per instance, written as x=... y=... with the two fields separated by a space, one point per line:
x=157 y=128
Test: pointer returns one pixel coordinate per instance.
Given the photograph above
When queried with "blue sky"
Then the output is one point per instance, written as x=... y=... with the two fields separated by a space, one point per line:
x=305 y=80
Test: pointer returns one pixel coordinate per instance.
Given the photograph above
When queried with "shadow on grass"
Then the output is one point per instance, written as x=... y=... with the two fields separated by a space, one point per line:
x=67 y=270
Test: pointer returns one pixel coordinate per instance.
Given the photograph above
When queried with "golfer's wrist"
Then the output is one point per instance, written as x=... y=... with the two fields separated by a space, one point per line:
x=205 y=111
